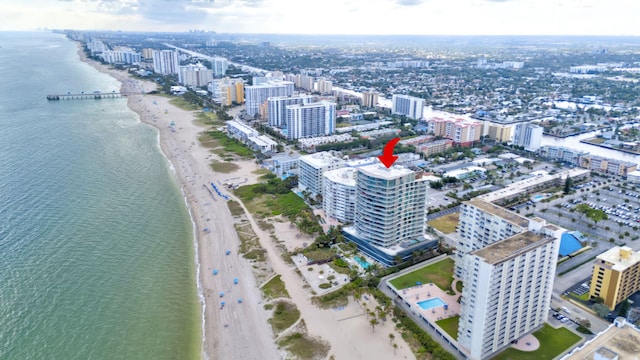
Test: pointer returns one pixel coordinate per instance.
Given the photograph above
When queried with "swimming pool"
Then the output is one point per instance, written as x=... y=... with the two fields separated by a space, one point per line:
x=539 y=197
x=431 y=303
x=362 y=263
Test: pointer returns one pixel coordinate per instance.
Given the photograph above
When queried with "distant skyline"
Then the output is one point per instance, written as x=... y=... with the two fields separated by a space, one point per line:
x=384 y=17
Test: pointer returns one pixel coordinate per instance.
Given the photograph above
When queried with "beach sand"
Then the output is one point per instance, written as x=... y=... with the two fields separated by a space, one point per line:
x=240 y=330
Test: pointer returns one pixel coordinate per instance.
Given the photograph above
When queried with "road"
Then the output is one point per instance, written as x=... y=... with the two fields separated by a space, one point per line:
x=208 y=57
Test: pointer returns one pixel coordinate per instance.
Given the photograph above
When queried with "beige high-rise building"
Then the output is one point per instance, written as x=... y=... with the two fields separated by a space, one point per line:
x=147 y=53
x=499 y=132
x=369 y=99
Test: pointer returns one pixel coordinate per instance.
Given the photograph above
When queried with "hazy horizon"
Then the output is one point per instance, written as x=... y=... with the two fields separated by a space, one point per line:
x=331 y=17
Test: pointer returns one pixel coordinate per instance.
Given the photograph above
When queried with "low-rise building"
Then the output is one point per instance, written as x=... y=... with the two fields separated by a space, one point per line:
x=250 y=137
x=607 y=166
x=618 y=342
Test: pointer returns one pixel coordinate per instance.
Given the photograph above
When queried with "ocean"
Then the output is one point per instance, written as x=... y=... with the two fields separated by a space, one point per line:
x=96 y=244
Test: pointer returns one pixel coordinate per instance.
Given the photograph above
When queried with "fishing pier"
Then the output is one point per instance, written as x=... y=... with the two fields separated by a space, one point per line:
x=96 y=95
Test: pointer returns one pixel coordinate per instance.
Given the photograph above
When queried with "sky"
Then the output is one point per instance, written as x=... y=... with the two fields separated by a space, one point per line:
x=392 y=17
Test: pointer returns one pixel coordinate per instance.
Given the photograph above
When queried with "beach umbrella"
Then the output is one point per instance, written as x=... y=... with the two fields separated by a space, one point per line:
x=240 y=301
x=221 y=294
x=228 y=252
x=215 y=271
x=235 y=280
x=221 y=303
x=418 y=283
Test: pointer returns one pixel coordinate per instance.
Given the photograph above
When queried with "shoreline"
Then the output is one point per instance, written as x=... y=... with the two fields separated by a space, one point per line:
x=630 y=152
x=240 y=329
x=223 y=337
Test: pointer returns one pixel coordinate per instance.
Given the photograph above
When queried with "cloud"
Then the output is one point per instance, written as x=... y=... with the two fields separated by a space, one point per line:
x=409 y=2
x=178 y=12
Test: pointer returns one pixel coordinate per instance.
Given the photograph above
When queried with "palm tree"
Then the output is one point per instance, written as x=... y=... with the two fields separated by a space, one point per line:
x=391 y=337
x=395 y=347
x=373 y=323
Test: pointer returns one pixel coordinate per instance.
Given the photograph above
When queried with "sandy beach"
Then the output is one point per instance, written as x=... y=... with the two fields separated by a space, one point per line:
x=240 y=330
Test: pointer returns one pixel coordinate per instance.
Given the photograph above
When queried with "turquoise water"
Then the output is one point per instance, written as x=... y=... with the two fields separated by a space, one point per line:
x=96 y=244
x=431 y=303
x=537 y=198
x=362 y=263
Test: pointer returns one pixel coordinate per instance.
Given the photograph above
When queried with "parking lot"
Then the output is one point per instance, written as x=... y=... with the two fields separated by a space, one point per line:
x=621 y=206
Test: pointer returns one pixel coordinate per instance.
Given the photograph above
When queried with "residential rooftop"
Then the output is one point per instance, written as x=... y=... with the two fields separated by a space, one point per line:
x=623 y=340
x=499 y=211
x=382 y=172
x=511 y=247
x=320 y=160
x=344 y=176
x=520 y=186
x=621 y=257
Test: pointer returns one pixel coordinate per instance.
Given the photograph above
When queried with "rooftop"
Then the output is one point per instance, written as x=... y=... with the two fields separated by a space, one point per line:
x=344 y=176
x=321 y=159
x=625 y=341
x=242 y=127
x=518 y=187
x=382 y=172
x=511 y=247
x=499 y=211
x=621 y=257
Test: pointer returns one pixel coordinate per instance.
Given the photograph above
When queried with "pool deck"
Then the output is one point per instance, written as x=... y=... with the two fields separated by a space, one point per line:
x=418 y=293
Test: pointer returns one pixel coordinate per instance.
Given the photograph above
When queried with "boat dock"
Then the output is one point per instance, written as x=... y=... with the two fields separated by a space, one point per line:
x=96 y=95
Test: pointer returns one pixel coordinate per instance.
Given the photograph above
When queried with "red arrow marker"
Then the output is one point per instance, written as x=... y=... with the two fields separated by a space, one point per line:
x=387 y=157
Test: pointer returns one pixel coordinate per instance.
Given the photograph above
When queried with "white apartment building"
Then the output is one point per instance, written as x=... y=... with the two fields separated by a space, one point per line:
x=121 y=55
x=195 y=75
x=559 y=153
x=481 y=224
x=304 y=82
x=507 y=293
x=283 y=165
x=309 y=144
x=248 y=135
x=165 y=62
x=339 y=199
x=257 y=95
x=310 y=120
x=390 y=205
x=311 y=169
x=219 y=66
x=241 y=131
x=96 y=46
x=409 y=106
x=528 y=135
x=277 y=108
